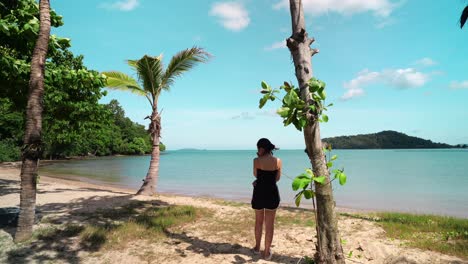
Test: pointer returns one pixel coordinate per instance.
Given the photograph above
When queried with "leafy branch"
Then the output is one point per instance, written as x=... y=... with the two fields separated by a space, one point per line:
x=305 y=181
x=296 y=111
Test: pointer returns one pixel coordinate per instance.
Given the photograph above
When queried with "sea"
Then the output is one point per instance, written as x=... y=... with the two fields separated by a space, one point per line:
x=429 y=181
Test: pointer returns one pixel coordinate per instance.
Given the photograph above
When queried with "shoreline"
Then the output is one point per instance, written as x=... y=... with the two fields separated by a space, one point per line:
x=107 y=186
x=80 y=181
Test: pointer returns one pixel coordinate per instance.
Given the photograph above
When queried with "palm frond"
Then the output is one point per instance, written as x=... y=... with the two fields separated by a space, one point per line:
x=464 y=17
x=133 y=64
x=182 y=62
x=120 y=81
x=150 y=72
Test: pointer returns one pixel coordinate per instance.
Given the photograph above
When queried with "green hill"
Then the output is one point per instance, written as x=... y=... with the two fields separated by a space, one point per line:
x=382 y=140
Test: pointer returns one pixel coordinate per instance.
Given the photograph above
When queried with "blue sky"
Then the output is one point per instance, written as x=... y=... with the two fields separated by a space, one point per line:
x=388 y=64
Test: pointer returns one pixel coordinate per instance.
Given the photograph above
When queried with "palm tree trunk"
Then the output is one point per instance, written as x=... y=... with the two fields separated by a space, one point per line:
x=32 y=148
x=328 y=247
x=151 y=180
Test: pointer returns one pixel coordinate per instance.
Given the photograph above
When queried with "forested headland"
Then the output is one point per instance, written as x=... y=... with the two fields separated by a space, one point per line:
x=74 y=122
x=384 y=140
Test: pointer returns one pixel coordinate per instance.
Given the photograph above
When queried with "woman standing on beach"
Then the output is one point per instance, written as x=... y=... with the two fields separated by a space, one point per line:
x=265 y=198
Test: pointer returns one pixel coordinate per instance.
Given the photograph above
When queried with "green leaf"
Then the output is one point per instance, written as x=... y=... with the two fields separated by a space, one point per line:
x=308 y=194
x=322 y=94
x=329 y=164
x=283 y=111
x=303 y=122
x=300 y=182
x=291 y=98
x=296 y=184
x=312 y=107
x=303 y=176
x=264 y=85
x=325 y=118
x=334 y=157
x=314 y=85
x=320 y=179
x=298 y=198
x=310 y=172
x=297 y=124
x=342 y=178
x=263 y=101
x=322 y=84
x=264 y=91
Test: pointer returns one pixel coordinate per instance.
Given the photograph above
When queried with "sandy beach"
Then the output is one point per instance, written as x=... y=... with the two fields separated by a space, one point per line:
x=220 y=238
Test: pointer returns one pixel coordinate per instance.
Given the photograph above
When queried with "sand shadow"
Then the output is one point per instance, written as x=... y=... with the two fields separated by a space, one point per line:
x=67 y=220
x=8 y=187
x=242 y=254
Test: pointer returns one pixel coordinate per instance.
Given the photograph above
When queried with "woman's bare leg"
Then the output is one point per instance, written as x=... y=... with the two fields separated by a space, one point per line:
x=259 y=216
x=269 y=229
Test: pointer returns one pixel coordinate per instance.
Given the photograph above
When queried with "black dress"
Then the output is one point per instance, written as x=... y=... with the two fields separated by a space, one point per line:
x=265 y=193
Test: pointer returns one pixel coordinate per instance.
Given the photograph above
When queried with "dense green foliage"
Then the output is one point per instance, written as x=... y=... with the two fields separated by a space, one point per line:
x=74 y=123
x=382 y=140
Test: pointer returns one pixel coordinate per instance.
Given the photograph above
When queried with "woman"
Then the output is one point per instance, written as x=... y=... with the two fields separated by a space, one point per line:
x=265 y=198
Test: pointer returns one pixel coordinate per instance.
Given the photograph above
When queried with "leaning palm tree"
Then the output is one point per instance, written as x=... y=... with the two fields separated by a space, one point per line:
x=464 y=17
x=31 y=151
x=152 y=80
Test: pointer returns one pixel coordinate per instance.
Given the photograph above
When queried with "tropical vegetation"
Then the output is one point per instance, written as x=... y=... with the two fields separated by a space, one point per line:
x=464 y=17
x=74 y=123
x=151 y=80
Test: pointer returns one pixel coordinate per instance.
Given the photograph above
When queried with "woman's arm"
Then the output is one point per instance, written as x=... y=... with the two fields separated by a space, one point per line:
x=255 y=161
x=280 y=167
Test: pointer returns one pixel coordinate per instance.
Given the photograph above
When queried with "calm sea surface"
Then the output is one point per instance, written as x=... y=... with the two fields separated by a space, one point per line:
x=419 y=181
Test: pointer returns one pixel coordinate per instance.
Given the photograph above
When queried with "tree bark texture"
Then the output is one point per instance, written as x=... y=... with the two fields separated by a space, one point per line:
x=151 y=180
x=32 y=148
x=329 y=249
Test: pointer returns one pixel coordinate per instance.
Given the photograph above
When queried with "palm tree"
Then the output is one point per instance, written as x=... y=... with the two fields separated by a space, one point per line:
x=32 y=135
x=464 y=17
x=152 y=79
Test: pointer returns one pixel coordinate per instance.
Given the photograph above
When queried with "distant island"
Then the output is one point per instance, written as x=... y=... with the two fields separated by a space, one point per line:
x=385 y=140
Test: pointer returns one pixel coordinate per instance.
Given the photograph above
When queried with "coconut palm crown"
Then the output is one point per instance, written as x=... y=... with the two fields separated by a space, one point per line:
x=151 y=80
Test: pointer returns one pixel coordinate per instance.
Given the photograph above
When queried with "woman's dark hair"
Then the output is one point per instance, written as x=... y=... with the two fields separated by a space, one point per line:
x=266 y=145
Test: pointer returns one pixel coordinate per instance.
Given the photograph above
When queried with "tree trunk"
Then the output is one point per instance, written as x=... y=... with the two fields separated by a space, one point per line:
x=32 y=148
x=151 y=180
x=329 y=248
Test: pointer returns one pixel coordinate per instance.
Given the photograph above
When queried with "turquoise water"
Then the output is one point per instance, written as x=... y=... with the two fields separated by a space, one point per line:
x=419 y=181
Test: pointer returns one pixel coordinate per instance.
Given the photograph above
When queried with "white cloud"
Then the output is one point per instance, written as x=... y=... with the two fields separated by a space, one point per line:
x=124 y=5
x=396 y=78
x=385 y=22
x=459 y=85
x=426 y=62
x=244 y=116
x=351 y=93
x=232 y=15
x=253 y=114
x=380 y=8
x=276 y=45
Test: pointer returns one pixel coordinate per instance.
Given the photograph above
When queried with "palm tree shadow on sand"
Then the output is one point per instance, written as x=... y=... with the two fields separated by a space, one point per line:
x=68 y=219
